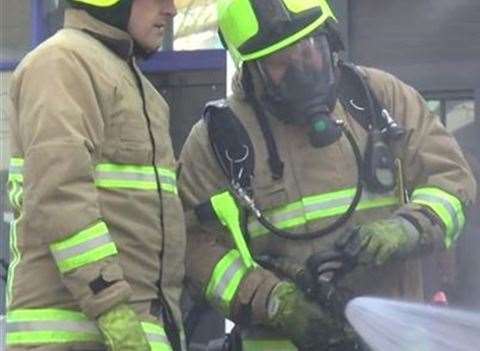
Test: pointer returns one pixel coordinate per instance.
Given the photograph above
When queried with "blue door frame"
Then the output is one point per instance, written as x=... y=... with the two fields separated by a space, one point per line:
x=163 y=61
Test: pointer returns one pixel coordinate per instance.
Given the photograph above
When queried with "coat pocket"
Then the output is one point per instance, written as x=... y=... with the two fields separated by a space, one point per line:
x=127 y=140
x=270 y=195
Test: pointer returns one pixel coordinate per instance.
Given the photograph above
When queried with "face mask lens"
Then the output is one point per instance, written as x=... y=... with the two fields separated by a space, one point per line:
x=309 y=58
x=299 y=81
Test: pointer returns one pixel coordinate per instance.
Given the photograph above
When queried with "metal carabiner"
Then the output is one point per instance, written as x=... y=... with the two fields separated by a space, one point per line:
x=233 y=162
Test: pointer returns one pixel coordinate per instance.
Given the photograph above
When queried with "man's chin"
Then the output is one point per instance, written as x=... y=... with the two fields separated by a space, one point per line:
x=145 y=51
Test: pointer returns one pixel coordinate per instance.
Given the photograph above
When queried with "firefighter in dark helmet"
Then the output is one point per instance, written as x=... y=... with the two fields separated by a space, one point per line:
x=98 y=237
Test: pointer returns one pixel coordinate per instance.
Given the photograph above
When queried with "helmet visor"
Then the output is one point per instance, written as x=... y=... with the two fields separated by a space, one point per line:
x=299 y=83
x=299 y=67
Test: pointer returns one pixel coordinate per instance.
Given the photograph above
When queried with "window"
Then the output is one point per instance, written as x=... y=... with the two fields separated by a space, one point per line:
x=459 y=114
x=456 y=110
x=195 y=26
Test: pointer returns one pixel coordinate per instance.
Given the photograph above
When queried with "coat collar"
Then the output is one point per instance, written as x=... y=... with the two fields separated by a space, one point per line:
x=115 y=39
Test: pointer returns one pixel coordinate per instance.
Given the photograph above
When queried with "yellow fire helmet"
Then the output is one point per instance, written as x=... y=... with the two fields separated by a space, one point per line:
x=113 y=12
x=252 y=29
x=97 y=3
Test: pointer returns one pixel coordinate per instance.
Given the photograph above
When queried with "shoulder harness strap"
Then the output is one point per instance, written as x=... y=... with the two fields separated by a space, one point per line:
x=358 y=98
x=230 y=143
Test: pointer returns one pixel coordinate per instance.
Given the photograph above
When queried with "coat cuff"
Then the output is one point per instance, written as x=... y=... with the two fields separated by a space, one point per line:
x=98 y=287
x=429 y=225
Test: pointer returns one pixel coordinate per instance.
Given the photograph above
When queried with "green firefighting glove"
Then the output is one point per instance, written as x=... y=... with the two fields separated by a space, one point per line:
x=304 y=322
x=122 y=330
x=380 y=242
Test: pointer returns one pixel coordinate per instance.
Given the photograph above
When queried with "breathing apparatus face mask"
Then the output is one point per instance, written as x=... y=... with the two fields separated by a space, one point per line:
x=300 y=87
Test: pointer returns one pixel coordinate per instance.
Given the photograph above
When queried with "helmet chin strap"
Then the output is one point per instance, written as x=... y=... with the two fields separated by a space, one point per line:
x=141 y=53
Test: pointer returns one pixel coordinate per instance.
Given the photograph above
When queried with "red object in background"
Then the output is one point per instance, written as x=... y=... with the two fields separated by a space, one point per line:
x=440 y=299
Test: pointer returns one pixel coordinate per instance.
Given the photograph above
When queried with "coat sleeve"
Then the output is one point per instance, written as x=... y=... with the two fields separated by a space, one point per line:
x=439 y=181
x=60 y=126
x=214 y=267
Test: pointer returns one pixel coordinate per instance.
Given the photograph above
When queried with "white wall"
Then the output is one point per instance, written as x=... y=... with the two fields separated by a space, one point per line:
x=15 y=29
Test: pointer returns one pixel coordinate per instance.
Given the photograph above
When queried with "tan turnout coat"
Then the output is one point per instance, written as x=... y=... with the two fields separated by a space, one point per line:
x=430 y=157
x=83 y=120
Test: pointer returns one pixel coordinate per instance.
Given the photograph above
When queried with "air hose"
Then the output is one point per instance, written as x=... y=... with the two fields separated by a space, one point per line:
x=259 y=214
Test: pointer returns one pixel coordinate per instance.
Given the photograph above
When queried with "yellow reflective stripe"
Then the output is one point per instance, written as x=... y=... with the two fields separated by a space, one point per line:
x=15 y=181
x=228 y=214
x=156 y=337
x=225 y=280
x=15 y=195
x=446 y=206
x=51 y=325
x=99 y=3
x=88 y=246
x=16 y=256
x=317 y=207
x=44 y=314
x=326 y=14
x=113 y=176
x=300 y=6
x=50 y=337
x=47 y=326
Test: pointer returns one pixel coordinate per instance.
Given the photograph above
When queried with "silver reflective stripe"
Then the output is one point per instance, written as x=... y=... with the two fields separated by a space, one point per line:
x=306 y=211
x=7 y=217
x=222 y=285
x=141 y=177
x=128 y=176
x=281 y=217
x=144 y=177
x=157 y=338
x=136 y=176
x=168 y=180
x=276 y=218
x=15 y=169
x=52 y=326
x=79 y=249
x=67 y=326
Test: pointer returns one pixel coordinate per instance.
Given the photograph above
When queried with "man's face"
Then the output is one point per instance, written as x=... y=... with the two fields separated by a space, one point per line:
x=305 y=55
x=148 y=21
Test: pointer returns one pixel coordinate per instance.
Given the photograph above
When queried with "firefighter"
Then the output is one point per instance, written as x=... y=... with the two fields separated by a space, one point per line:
x=98 y=237
x=314 y=182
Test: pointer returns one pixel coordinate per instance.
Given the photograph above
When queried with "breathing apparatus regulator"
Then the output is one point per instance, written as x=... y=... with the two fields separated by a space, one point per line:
x=291 y=48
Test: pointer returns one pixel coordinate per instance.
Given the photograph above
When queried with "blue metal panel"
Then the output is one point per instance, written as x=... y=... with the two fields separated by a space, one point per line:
x=38 y=22
x=169 y=61
x=8 y=65
x=173 y=61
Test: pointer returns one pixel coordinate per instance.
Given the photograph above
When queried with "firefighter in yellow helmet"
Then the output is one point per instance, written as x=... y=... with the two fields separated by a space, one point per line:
x=294 y=186
x=98 y=237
